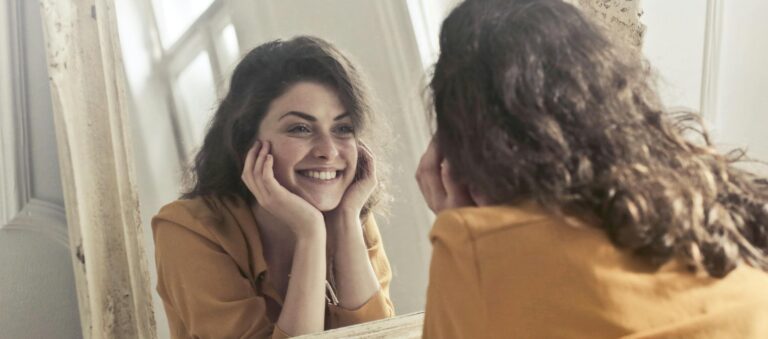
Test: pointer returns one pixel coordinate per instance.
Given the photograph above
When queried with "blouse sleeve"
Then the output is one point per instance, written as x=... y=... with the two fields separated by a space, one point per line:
x=379 y=306
x=454 y=299
x=204 y=288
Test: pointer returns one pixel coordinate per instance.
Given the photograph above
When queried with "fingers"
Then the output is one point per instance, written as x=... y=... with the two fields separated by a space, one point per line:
x=254 y=168
x=264 y=174
x=437 y=184
x=268 y=171
x=267 y=178
x=259 y=165
x=250 y=158
x=457 y=195
x=478 y=198
x=451 y=187
x=258 y=169
x=429 y=177
x=366 y=164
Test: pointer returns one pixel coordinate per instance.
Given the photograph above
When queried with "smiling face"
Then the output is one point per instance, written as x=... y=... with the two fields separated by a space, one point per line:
x=313 y=143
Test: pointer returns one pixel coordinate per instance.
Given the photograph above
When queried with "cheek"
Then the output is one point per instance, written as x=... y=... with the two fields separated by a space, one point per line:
x=350 y=152
x=286 y=155
x=281 y=169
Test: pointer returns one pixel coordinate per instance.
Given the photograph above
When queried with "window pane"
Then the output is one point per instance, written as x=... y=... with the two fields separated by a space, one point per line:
x=229 y=49
x=175 y=16
x=196 y=96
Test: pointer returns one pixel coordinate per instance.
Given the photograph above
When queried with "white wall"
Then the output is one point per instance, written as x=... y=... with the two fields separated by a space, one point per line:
x=675 y=45
x=742 y=97
x=37 y=288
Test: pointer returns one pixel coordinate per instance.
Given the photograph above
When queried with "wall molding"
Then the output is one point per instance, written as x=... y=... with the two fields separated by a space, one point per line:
x=423 y=31
x=399 y=44
x=14 y=144
x=711 y=64
x=7 y=144
x=402 y=48
x=44 y=218
x=406 y=110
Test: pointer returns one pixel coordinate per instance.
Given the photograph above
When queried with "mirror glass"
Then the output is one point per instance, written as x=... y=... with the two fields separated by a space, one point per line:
x=179 y=55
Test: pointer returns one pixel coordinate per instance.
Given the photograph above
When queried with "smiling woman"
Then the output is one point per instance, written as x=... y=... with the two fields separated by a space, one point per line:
x=314 y=142
x=274 y=236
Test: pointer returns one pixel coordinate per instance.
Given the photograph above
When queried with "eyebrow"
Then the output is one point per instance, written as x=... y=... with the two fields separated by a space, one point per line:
x=309 y=117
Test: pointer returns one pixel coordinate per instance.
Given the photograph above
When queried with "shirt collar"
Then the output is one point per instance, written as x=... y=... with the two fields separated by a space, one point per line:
x=240 y=213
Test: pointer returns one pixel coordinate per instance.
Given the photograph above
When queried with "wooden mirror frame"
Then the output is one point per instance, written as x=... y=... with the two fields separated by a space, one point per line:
x=93 y=136
x=88 y=92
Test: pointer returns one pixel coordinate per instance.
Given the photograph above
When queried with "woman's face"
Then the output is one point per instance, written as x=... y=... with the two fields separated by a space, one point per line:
x=313 y=143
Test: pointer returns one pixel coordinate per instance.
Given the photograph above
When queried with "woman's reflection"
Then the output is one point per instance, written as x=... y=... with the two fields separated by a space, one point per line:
x=275 y=236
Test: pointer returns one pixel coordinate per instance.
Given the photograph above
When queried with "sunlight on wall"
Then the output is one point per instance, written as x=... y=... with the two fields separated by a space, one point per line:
x=196 y=95
x=175 y=16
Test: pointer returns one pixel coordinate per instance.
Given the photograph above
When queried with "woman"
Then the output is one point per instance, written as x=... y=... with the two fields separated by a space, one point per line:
x=570 y=205
x=275 y=237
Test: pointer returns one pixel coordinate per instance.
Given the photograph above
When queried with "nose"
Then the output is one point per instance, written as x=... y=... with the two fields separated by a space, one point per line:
x=325 y=147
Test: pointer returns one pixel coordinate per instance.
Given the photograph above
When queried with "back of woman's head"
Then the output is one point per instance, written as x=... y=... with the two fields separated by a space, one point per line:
x=533 y=101
x=263 y=75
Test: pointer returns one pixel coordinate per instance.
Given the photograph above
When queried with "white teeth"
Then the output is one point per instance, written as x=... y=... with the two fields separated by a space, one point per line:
x=324 y=175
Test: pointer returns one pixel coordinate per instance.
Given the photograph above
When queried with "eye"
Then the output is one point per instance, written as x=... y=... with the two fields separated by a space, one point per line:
x=299 y=129
x=345 y=130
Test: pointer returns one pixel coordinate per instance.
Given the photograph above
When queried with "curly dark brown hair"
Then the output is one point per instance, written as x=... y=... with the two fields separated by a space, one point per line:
x=533 y=101
x=264 y=74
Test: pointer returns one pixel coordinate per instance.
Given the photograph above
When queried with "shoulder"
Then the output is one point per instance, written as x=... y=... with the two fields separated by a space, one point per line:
x=525 y=224
x=472 y=223
x=199 y=215
x=198 y=207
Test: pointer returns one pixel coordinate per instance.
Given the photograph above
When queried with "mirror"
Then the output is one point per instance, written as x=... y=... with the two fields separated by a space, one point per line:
x=178 y=58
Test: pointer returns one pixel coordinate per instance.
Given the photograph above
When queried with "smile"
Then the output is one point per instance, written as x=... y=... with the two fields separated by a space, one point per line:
x=320 y=175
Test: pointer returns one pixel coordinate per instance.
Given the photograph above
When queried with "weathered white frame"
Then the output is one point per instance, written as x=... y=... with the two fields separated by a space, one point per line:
x=92 y=132
x=93 y=135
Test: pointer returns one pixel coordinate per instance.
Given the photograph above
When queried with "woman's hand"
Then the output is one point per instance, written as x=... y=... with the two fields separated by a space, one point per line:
x=436 y=184
x=362 y=186
x=356 y=282
x=344 y=222
x=303 y=219
x=303 y=309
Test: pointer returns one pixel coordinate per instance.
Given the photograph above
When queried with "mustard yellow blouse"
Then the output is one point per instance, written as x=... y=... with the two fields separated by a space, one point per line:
x=214 y=281
x=519 y=272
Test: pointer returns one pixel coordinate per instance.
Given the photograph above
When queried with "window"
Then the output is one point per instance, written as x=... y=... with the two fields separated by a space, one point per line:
x=174 y=17
x=195 y=96
x=184 y=49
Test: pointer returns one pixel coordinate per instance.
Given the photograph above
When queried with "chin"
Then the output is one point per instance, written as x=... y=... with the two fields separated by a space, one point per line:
x=325 y=205
x=324 y=201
